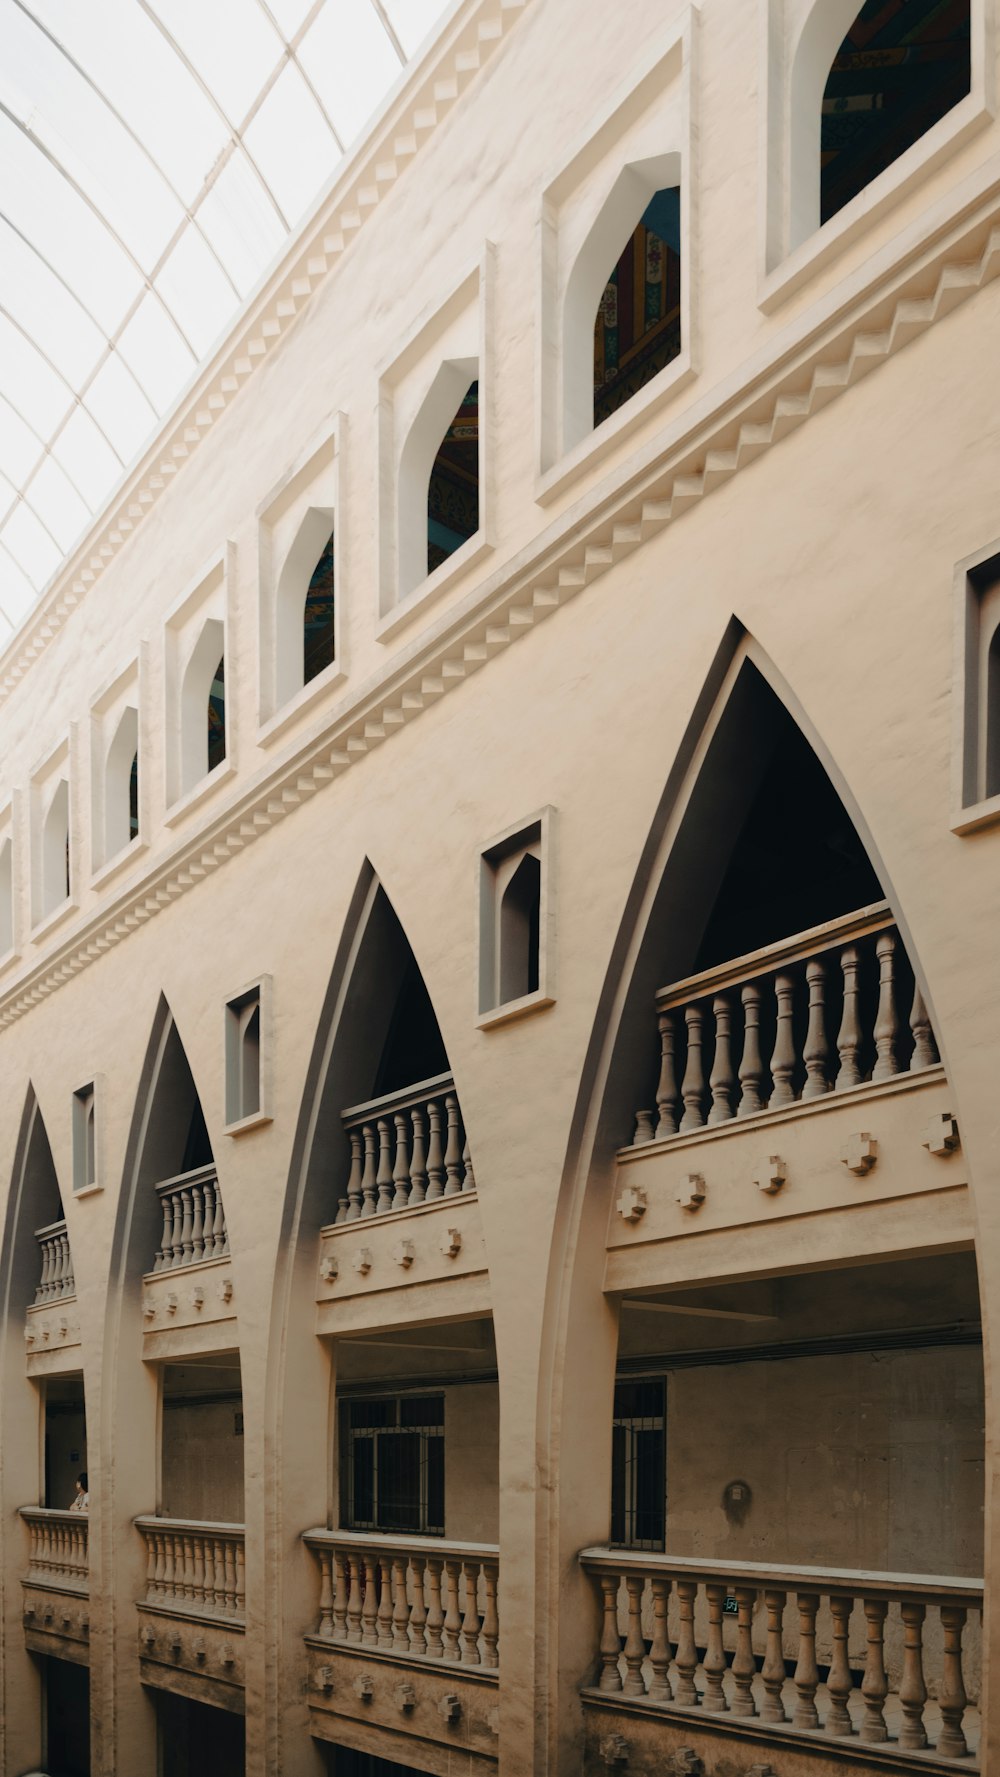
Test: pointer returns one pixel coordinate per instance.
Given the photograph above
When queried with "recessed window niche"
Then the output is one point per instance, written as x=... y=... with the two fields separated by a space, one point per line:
x=115 y=772
x=198 y=727
x=247 y=1057
x=53 y=869
x=977 y=682
x=516 y=961
x=300 y=588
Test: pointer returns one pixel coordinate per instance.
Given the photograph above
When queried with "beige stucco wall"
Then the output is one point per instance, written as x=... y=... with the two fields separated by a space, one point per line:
x=835 y=551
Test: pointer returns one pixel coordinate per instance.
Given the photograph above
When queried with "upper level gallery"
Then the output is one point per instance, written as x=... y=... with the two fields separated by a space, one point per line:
x=513 y=342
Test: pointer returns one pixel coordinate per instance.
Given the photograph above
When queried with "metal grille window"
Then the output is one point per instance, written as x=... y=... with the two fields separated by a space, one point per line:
x=638 y=1466
x=392 y=1464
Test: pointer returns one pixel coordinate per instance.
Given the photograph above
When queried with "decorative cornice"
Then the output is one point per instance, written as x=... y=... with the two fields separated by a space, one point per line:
x=371 y=172
x=581 y=546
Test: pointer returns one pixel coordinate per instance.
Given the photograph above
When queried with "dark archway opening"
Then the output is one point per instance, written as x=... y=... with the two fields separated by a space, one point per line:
x=453 y=490
x=318 y=640
x=637 y=331
x=902 y=66
x=217 y=717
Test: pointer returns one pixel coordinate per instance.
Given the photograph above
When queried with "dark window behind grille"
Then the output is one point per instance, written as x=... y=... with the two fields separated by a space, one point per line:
x=392 y=1464
x=638 y=1465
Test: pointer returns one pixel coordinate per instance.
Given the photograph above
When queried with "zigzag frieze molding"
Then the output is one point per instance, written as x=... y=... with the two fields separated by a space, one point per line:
x=466 y=45
x=519 y=598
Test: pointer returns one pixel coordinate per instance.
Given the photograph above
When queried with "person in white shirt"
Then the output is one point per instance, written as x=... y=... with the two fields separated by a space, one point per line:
x=81 y=1499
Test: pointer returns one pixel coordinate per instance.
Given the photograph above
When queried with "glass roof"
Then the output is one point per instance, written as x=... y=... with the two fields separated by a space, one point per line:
x=154 y=157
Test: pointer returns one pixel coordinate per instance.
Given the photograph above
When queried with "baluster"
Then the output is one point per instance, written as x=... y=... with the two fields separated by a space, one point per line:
x=849 y=1034
x=169 y=1565
x=369 y=1188
x=744 y=1665
x=435 y=1153
x=667 y=1096
x=659 y=1653
x=188 y=1588
x=69 y=1282
x=913 y=1688
x=351 y=1212
x=229 y=1558
x=400 y=1607
x=418 y=1609
x=418 y=1159
x=806 y=1676
x=177 y=1236
x=435 y=1615
x=384 y=1613
x=611 y=1644
x=197 y=1225
x=354 y=1598
x=839 y=1684
x=221 y=1227
x=55 y=1286
x=369 y=1607
x=383 y=1178
x=875 y=1685
x=773 y=1670
x=686 y=1653
x=816 y=1053
x=201 y=1567
x=218 y=1573
x=341 y=1593
x=159 y=1591
x=722 y=1079
x=635 y=1641
x=43 y=1282
x=887 y=1021
x=924 y=1047
x=210 y=1200
x=470 y=1621
x=453 y=1151
x=452 y=1616
x=469 y=1179
x=714 y=1662
x=325 y=1624
x=783 y=1054
x=644 y=1131
x=693 y=1088
x=187 y=1223
x=241 y=1578
x=751 y=1063
x=491 y=1617
x=951 y=1697
x=162 y=1258
x=401 y=1166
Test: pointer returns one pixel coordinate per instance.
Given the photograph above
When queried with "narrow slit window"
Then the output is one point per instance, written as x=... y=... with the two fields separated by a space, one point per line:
x=217 y=716
x=318 y=620
x=453 y=490
x=638 y=1465
x=244 y=1057
x=637 y=330
x=519 y=930
x=84 y=1138
x=133 y=798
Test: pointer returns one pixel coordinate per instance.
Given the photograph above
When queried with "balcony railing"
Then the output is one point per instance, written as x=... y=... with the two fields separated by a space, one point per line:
x=58 y=1549
x=56 y=1279
x=824 y=1011
x=416 y=1597
x=194 y=1568
x=407 y=1148
x=666 y=1623
x=194 y=1221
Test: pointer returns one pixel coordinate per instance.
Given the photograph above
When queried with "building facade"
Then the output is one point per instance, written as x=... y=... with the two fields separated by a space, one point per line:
x=500 y=1174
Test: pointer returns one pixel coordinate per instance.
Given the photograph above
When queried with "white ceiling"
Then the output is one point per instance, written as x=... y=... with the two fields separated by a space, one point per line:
x=154 y=157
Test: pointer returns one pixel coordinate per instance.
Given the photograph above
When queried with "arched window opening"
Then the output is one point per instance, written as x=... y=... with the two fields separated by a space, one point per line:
x=519 y=930
x=6 y=897
x=637 y=331
x=55 y=852
x=318 y=622
x=133 y=798
x=453 y=490
x=901 y=67
x=992 y=785
x=121 y=787
x=217 y=716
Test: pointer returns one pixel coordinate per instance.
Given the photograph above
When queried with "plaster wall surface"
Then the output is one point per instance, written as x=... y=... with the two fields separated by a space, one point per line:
x=834 y=552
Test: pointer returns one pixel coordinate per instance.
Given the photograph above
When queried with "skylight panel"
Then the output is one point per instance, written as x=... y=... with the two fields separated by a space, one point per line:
x=33 y=296
x=156 y=354
x=146 y=82
x=292 y=144
x=413 y=20
x=196 y=290
x=29 y=383
x=241 y=222
x=87 y=458
x=57 y=503
x=120 y=408
x=231 y=43
x=30 y=545
x=349 y=57
x=19 y=447
x=17 y=595
x=289 y=14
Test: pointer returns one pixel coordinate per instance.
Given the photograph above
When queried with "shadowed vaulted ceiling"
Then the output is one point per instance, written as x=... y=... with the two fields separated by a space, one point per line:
x=154 y=157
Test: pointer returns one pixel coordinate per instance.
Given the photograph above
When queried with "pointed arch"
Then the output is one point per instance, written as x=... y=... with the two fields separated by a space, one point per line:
x=35 y=1203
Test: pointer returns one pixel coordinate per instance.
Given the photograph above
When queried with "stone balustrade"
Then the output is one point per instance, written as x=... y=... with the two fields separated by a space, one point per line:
x=58 y=1549
x=778 y=1648
x=406 y=1148
x=194 y=1568
x=56 y=1278
x=824 y=1011
x=413 y=1597
x=194 y=1220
